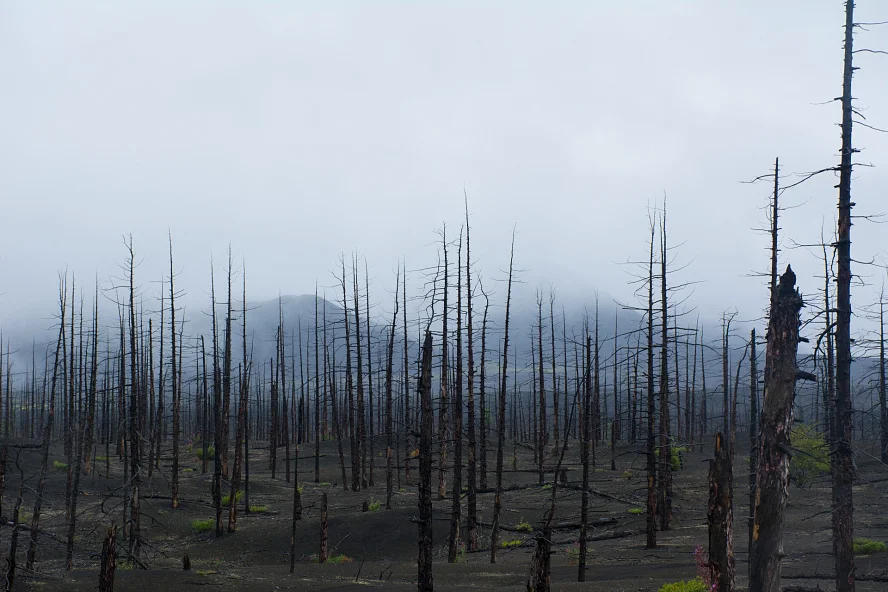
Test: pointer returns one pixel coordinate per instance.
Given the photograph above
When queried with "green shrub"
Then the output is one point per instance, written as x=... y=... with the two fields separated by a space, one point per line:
x=812 y=455
x=573 y=555
x=226 y=499
x=627 y=474
x=524 y=526
x=636 y=511
x=324 y=484
x=374 y=505
x=59 y=465
x=511 y=544
x=695 y=585
x=211 y=452
x=101 y=458
x=200 y=526
x=868 y=547
x=339 y=559
x=547 y=487
x=675 y=459
x=258 y=509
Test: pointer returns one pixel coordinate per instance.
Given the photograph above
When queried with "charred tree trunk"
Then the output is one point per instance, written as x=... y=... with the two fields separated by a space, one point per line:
x=651 y=518
x=721 y=518
x=424 y=560
x=472 y=510
x=501 y=419
x=443 y=432
x=776 y=424
x=389 y=481
x=584 y=459
x=753 y=434
x=322 y=552
x=457 y=415
x=108 y=560
x=843 y=469
x=174 y=490
x=482 y=398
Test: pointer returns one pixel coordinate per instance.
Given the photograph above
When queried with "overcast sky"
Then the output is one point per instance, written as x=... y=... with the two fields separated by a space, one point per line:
x=295 y=131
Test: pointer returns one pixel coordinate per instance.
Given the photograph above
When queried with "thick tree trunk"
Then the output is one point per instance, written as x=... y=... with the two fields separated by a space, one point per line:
x=108 y=560
x=721 y=518
x=772 y=481
x=457 y=417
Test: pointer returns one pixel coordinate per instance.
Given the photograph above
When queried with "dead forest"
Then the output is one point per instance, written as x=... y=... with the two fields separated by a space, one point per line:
x=416 y=431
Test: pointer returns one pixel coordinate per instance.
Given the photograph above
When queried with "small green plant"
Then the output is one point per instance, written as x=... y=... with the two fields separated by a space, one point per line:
x=636 y=511
x=226 y=499
x=59 y=465
x=573 y=554
x=524 y=526
x=461 y=553
x=374 y=505
x=676 y=459
x=868 y=547
x=258 y=509
x=187 y=470
x=511 y=544
x=324 y=484
x=547 y=487
x=695 y=585
x=812 y=455
x=339 y=559
x=211 y=452
x=627 y=474
x=101 y=458
x=201 y=526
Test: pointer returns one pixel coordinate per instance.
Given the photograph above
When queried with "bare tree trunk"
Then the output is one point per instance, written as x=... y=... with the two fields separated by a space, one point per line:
x=317 y=381
x=443 y=432
x=665 y=480
x=651 y=519
x=883 y=404
x=424 y=560
x=322 y=552
x=776 y=424
x=13 y=538
x=226 y=378
x=584 y=459
x=721 y=518
x=371 y=453
x=482 y=399
x=350 y=388
x=843 y=469
x=174 y=493
x=47 y=436
x=217 y=417
x=388 y=401
x=753 y=434
x=457 y=416
x=361 y=435
x=472 y=510
x=109 y=560
x=501 y=419
x=408 y=419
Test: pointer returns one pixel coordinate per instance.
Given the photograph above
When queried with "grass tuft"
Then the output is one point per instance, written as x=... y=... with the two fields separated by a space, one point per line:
x=511 y=544
x=636 y=511
x=695 y=585
x=864 y=546
x=201 y=526
x=59 y=465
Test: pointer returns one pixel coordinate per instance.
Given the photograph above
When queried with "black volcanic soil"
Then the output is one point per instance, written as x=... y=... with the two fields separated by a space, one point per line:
x=381 y=545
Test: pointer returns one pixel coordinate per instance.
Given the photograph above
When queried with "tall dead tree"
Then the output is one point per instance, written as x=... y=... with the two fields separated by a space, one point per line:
x=47 y=434
x=482 y=395
x=501 y=417
x=360 y=426
x=424 y=559
x=843 y=470
x=350 y=388
x=665 y=477
x=443 y=432
x=217 y=409
x=457 y=417
x=174 y=487
x=772 y=481
x=472 y=509
x=883 y=404
x=389 y=484
x=135 y=434
x=753 y=433
x=226 y=377
x=651 y=513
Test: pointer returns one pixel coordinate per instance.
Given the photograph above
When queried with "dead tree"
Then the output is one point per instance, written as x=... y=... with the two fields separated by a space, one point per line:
x=883 y=404
x=47 y=436
x=443 y=432
x=217 y=409
x=322 y=551
x=843 y=470
x=389 y=481
x=174 y=488
x=721 y=518
x=501 y=418
x=753 y=434
x=456 y=418
x=13 y=538
x=424 y=559
x=585 y=435
x=350 y=388
x=651 y=514
x=482 y=398
x=317 y=381
x=108 y=560
x=665 y=477
x=226 y=378
x=472 y=510
x=772 y=481
x=360 y=426
x=134 y=432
